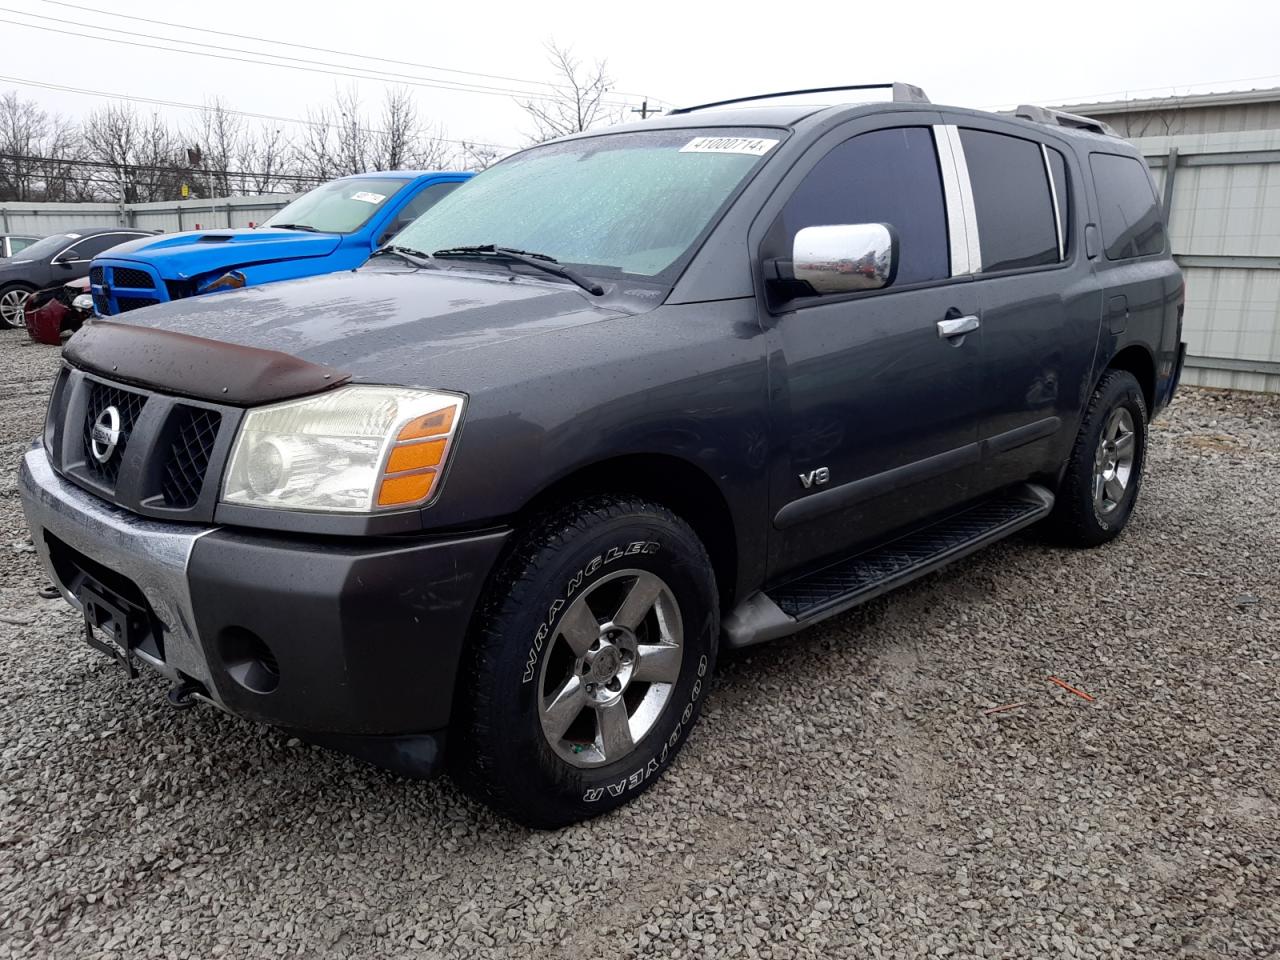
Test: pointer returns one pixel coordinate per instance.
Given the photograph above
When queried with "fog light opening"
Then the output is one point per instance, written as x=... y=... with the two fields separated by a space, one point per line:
x=248 y=660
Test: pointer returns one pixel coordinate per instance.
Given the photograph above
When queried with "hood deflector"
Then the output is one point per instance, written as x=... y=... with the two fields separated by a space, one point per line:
x=195 y=367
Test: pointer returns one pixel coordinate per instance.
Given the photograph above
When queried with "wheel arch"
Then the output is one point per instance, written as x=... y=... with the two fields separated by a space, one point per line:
x=676 y=483
x=1139 y=361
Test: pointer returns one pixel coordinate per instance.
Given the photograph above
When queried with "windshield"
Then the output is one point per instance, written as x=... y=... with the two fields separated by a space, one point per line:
x=632 y=203
x=342 y=206
x=48 y=246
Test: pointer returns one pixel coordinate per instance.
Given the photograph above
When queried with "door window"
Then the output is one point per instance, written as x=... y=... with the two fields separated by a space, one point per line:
x=1012 y=201
x=886 y=176
x=1131 y=222
x=90 y=247
x=416 y=207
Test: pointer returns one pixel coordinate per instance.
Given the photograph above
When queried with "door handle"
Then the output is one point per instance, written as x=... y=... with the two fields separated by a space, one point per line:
x=957 y=326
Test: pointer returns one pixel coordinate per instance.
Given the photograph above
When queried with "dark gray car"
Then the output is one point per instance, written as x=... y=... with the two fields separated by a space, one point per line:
x=52 y=261
x=498 y=497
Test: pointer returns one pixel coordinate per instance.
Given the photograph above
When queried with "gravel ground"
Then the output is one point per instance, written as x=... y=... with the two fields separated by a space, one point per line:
x=845 y=794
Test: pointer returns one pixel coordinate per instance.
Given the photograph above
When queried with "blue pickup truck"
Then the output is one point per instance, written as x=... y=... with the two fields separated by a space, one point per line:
x=333 y=227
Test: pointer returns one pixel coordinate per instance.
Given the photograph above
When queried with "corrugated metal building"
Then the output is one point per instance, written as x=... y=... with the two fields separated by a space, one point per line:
x=1216 y=160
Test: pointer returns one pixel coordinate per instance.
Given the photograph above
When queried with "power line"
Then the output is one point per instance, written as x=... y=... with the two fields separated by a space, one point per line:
x=331 y=69
x=201 y=107
x=303 y=46
x=160 y=168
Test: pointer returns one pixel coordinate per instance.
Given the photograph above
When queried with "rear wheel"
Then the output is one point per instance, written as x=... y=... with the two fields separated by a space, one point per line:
x=13 y=298
x=1100 y=486
x=590 y=658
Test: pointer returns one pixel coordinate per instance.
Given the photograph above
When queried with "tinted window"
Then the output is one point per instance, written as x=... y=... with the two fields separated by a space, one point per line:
x=1011 y=195
x=90 y=247
x=424 y=201
x=1062 y=188
x=887 y=176
x=1131 y=221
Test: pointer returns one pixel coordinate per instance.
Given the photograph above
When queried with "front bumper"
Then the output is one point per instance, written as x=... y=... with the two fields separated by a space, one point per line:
x=337 y=638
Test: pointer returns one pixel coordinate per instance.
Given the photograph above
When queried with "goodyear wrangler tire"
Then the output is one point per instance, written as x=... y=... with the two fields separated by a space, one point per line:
x=1101 y=483
x=589 y=661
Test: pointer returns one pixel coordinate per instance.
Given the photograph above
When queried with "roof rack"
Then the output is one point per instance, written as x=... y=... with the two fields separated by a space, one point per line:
x=1059 y=118
x=902 y=93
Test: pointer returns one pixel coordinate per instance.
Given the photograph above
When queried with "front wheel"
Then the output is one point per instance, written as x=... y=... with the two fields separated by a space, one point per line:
x=589 y=661
x=13 y=299
x=1100 y=485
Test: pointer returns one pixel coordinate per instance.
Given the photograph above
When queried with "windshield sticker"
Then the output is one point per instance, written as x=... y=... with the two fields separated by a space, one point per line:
x=368 y=197
x=753 y=146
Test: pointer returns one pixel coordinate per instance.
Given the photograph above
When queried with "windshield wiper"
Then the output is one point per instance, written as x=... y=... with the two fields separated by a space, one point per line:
x=294 y=226
x=539 y=261
x=416 y=257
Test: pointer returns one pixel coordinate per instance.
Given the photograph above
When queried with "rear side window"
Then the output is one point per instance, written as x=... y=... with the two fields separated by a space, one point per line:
x=1131 y=222
x=886 y=176
x=1016 y=223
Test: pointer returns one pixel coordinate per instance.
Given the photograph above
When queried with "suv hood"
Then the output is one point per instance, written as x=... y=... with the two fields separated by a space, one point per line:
x=184 y=256
x=435 y=328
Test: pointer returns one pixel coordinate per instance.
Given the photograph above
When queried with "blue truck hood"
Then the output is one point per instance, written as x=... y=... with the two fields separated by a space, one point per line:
x=184 y=256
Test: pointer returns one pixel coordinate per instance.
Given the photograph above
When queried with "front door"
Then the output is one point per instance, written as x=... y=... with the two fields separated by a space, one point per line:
x=876 y=410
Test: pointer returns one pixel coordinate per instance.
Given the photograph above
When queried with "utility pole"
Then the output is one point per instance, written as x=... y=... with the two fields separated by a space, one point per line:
x=644 y=109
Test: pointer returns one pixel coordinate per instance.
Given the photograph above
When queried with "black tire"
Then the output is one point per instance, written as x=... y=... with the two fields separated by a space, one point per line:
x=499 y=751
x=1077 y=519
x=6 y=291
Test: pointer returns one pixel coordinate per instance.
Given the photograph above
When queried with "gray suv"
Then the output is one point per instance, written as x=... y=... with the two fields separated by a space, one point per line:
x=496 y=499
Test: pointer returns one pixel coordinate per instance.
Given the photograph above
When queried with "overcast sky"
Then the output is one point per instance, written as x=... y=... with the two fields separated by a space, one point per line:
x=973 y=54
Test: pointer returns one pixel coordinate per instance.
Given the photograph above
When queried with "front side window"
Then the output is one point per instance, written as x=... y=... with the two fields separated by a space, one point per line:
x=886 y=176
x=1012 y=201
x=1130 y=217
x=615 y=204
x=343 y=206
x=43 y=249
x=90 y=247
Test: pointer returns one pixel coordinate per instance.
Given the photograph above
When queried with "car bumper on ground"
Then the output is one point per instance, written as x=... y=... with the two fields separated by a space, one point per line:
x=352 y=643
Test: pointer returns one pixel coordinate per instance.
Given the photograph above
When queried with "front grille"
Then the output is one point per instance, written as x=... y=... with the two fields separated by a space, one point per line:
x=126 y=304
x=188 y=460
x=100 y=304
x=129 y=405
x=95 y=275
x=129 y=277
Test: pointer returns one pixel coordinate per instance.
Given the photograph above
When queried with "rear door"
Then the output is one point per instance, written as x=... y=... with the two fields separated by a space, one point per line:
x=1039 y=299
x=876 y=412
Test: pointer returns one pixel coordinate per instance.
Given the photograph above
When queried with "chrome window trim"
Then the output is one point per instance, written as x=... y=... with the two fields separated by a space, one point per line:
x=1057 y=211
x=962 y=219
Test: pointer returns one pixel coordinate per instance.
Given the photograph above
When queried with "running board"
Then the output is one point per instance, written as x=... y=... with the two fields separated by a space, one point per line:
x=793 y=606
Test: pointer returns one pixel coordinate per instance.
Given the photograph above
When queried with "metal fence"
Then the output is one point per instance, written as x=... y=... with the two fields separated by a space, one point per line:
x=1221 y=194
x=171 y=216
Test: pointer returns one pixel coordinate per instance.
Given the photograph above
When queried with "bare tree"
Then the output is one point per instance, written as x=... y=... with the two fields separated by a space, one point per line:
x=478 y=156
x=264 y=156
x=396 y=142
x=578 y=102
x=354 y=142
x=37 y=147
x=218 y=139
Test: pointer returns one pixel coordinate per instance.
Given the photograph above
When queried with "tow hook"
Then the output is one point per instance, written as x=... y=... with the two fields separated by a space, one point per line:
x=180 y=694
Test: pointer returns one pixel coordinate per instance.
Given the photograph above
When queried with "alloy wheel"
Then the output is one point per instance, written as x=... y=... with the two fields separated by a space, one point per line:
x=11 y=306
x=613 y=664
x=1113 y=461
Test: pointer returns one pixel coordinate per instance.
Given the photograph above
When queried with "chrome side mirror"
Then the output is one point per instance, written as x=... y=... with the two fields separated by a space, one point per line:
x=846 y=257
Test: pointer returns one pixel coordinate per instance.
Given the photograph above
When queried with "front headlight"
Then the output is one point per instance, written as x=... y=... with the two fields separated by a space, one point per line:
x=356 y=449
x=83 y=301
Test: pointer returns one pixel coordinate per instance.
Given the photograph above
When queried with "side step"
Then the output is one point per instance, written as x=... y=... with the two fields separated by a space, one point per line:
x=793 y=606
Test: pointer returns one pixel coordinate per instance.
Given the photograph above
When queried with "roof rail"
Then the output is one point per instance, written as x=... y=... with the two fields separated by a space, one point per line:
x=902 y=93
x=1059 y=118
